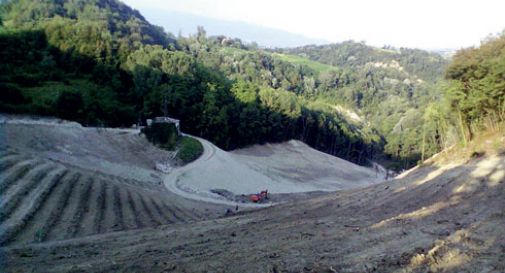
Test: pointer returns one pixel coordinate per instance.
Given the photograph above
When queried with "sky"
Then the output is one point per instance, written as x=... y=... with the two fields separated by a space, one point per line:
x=427 y=24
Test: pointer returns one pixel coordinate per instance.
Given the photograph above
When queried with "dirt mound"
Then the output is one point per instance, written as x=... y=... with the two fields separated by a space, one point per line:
x=290 y=167
x=296 y=161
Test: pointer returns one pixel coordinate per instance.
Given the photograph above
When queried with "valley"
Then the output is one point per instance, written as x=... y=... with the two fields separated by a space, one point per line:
x=126 y=148
x=62 y=217
x=63 y=181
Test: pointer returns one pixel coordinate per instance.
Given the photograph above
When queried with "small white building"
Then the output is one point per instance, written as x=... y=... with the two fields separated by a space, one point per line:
x=168 y=120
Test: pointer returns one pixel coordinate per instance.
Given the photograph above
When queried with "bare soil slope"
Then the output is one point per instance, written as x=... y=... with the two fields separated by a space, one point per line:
x=70 y=203
x=295 y=161
x=112 y=151
x=290 y=167
x=447 y=218
x=59 y=180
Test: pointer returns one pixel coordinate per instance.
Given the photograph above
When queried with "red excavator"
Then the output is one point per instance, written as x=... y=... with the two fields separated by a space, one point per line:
x=259 y=197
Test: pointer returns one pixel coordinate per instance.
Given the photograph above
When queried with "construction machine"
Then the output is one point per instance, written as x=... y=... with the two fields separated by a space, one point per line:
x=259 y=197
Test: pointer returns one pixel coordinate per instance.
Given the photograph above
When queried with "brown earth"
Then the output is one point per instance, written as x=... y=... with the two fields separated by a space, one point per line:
x=438 y=219
x=57 y=216
x=44 y=201
x=59 y=180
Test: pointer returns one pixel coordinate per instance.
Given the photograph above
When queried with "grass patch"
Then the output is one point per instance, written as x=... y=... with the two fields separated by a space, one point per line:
x=294 y=59
x=316 y=66
x=189 y=149
x=162 y=134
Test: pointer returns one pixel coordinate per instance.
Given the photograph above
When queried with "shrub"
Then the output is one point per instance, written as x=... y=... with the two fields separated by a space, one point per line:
x=11 y=94
x=190 y=149
x=69 y=106
x=162 y=134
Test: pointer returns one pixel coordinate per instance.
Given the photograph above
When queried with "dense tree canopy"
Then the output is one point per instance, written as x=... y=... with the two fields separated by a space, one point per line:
x=391 y=88
x=477 y=86
x=116 y=69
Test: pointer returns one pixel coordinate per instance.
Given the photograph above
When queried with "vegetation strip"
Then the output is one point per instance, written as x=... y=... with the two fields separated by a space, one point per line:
x=173 y=213
x=14 y=177
x=56 y=213
x=160 y=212
x=82 y=208
x=16 y=199
x=147 y=210
x=135 y=213
x=7 y=163
x=101 y=202
x=39 y=201
x=118 y=209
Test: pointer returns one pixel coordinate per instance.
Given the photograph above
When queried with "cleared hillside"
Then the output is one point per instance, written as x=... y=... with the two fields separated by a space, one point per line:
x=44 y=201
x=112 y=151
x=59 y=180
x=438 y=218
x=296 y=162
x=285 y=168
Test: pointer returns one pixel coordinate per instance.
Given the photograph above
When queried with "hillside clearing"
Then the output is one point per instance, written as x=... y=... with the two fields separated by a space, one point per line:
x=439 y=219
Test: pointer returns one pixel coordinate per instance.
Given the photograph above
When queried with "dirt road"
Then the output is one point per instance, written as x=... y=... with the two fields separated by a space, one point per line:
x=290 y=167
x=59 y=180
x=173 y=183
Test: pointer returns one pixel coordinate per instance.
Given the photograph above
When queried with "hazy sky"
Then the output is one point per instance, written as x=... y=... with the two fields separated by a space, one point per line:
x=426 y=24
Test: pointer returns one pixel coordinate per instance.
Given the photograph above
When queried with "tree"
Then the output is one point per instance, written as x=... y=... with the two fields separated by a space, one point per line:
x=201 y=34
x=477 y=86
x=69 y=106
x=435 y=129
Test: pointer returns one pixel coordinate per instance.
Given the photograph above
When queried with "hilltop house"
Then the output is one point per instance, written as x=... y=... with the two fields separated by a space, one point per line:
x=176 y=122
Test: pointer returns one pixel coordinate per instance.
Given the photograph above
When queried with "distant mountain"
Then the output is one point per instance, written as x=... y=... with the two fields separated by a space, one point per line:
x=445 y=52
x=185 y=23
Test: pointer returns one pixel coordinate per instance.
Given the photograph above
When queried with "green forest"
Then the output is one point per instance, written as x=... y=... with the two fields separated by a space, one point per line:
x=100 y=63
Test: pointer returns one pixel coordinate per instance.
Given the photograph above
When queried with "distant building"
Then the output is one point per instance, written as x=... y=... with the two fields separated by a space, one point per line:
x=168 y=120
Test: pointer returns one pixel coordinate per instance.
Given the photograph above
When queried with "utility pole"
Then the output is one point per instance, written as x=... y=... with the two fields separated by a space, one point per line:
x=165 y=105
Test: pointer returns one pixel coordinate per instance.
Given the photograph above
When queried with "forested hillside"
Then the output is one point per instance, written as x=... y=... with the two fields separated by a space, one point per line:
x=392 y=88
x=100 y=62
x=350 y=54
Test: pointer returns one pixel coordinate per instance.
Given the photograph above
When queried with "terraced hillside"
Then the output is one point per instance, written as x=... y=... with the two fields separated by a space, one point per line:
x=46 y=198
x=45 y=201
